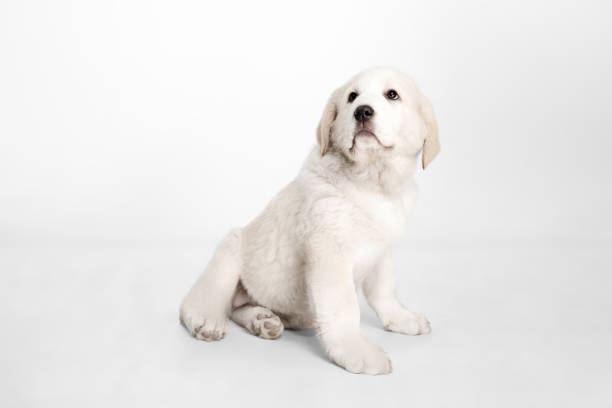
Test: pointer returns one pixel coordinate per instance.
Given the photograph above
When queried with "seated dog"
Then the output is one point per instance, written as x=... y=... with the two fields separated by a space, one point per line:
x=330 y=231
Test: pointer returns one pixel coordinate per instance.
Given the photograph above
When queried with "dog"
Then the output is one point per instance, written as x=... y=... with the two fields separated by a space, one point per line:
x=329 y=232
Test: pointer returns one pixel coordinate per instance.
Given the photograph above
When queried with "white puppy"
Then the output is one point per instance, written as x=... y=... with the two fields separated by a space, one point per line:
x=330 y=231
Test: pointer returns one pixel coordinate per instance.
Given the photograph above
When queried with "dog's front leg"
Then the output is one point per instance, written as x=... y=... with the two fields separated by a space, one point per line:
x=379 y=290
x=332 y=292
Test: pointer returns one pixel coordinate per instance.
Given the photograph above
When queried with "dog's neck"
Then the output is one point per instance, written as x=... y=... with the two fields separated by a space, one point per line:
x=389 y=175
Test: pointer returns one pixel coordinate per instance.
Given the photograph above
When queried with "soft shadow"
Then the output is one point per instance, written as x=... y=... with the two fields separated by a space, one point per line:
x=369 y=319
x=306 y=338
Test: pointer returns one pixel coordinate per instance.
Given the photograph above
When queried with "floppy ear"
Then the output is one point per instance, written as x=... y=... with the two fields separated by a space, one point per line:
x=431 y=145
x=327 y=119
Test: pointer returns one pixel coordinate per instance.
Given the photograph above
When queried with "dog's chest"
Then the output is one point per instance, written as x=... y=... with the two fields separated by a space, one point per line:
x=381 y=217
x=379 y=221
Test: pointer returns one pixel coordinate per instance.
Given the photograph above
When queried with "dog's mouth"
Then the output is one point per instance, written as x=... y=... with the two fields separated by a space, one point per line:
x=363 y=131
x=366 y=132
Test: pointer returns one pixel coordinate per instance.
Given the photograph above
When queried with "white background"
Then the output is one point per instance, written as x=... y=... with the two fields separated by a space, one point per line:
x=134 y=134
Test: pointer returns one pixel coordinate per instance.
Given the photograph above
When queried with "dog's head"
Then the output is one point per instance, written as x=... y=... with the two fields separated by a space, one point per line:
x=379 y=112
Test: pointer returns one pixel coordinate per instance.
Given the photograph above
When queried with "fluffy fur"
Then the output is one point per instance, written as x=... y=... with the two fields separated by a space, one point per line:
x=329 y=232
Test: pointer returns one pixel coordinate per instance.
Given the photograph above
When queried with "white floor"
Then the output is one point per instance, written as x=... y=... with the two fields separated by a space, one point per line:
x=512 y=327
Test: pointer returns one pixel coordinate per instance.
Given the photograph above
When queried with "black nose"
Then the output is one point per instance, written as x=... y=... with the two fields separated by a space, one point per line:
x=364 y=113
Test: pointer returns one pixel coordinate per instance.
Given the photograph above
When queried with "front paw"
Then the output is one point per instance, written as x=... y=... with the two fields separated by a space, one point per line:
x=403 y=321
x=359 y=355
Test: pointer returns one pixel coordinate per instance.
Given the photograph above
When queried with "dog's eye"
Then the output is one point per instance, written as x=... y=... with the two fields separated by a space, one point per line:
x=391 y=94
x=352 y=96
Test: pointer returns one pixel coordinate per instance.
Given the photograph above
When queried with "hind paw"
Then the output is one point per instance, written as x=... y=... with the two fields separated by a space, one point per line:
x=267 y=326
x=202 y=327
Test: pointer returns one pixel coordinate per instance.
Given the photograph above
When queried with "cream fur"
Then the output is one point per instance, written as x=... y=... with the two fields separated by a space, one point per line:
x=329 y=232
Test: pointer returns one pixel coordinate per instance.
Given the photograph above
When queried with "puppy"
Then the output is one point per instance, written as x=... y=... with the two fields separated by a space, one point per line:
x=330 y=231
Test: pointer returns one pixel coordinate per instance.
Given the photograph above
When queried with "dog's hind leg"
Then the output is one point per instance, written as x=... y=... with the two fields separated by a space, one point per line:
x=207 y=306
x=258 y=321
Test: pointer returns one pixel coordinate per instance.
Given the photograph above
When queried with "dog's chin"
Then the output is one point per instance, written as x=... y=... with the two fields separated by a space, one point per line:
x=366 y=140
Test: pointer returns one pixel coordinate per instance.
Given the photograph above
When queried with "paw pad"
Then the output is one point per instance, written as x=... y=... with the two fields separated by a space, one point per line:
x=267 y=326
